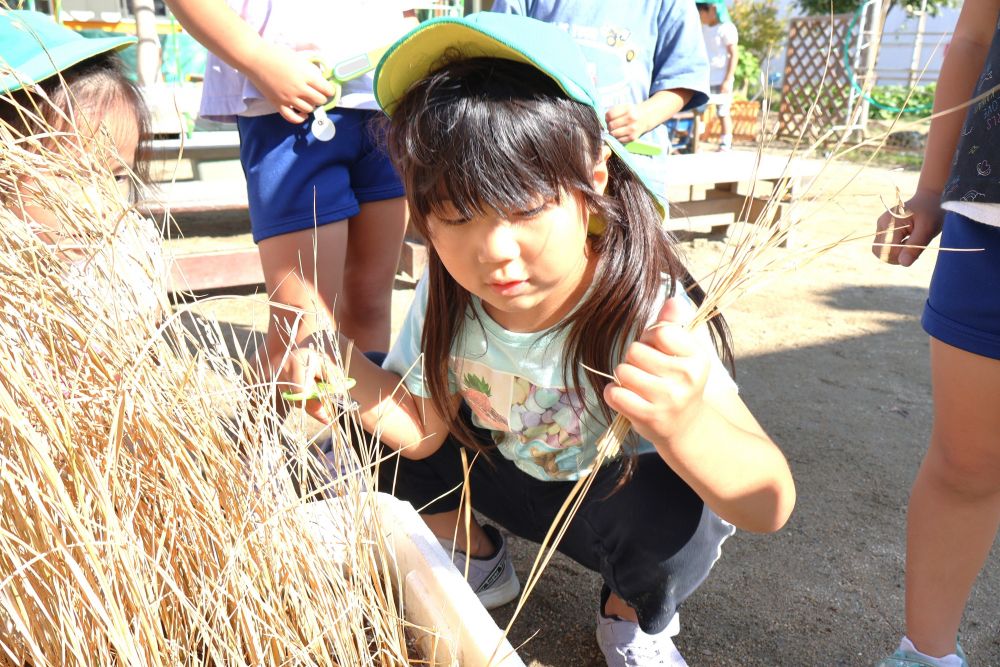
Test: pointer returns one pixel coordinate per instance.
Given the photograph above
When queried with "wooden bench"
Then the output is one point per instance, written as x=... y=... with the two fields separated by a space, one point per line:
x=199 y=147
x=707 y=191
x=234 y=267
x=710 y=190
x=204 y=201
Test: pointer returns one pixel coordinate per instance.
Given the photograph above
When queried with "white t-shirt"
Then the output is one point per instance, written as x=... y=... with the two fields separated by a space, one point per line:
x=331 y=30
x=127 y=278
x=718 y=39
x=515 y=385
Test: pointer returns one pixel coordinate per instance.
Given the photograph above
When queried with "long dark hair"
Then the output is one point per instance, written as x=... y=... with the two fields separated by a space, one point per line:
x=488 y=133
x=98 y=86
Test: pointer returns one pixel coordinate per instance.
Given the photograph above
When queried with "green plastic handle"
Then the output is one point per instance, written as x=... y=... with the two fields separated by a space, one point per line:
x=643 y=148
x=349 y=69
x=319 y=390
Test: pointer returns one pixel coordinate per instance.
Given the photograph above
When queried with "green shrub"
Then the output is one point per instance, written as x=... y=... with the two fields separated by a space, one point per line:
x=747 y=74
x=919 y=103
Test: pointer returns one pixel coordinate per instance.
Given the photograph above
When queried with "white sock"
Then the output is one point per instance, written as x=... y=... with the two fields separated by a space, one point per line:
x=950 y=660
x=726 y=140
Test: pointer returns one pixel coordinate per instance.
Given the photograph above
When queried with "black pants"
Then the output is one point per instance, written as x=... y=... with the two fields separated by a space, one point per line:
x=653 y=540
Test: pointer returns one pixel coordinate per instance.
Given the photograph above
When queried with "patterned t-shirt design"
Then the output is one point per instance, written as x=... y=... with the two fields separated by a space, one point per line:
x=529 y=422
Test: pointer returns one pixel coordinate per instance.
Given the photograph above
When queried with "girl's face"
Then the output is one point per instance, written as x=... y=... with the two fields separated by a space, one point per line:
x=529 y=268
x=124 y=131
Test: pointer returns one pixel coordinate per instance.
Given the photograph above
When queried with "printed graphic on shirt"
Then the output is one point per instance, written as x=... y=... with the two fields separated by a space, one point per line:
x=537 y=427
x=972 y=177
x=478 y=393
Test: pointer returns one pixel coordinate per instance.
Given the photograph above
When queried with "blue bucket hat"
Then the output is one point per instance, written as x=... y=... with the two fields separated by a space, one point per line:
x=33 y=47
x=493 y=35
x=721 y=11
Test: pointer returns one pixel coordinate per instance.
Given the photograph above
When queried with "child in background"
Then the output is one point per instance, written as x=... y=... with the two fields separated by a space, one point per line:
x=954 y=505
x=646 y=59
x=721 y=39
x=328 y=215
x=65 y=94
x=546 y=257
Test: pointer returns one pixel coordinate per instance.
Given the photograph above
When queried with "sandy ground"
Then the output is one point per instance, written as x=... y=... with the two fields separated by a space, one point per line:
x=832 y=360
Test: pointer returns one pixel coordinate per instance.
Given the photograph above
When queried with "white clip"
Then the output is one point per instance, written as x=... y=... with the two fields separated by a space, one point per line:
x=322 y=127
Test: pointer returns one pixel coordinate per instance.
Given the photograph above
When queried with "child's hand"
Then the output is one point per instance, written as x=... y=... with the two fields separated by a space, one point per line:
x=662 y=379
x=298 y=370
x=913 y=232
x=626 y=122
x=290 y=81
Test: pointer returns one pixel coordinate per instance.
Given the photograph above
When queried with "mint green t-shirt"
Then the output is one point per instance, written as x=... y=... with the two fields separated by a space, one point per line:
x=514 y=384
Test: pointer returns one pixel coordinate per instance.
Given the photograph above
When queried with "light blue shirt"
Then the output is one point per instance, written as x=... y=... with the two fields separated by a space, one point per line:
x=633 y=49
x=514 y=383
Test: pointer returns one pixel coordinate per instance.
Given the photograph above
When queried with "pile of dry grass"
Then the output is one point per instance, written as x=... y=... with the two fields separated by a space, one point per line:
x=147 y=514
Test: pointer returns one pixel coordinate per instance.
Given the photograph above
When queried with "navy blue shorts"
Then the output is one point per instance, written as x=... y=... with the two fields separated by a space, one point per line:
x=295 y=181
x=963 y=307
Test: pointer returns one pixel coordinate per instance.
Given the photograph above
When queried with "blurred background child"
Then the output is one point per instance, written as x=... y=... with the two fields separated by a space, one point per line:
x=954 y=505
x=721 y=39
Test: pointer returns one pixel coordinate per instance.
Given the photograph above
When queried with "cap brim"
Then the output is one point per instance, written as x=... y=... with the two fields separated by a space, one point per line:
x=52 y=61
x=419 y=52
x=638 y=169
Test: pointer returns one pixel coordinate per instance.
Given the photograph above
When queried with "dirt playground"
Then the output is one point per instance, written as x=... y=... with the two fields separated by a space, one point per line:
x=832 y=360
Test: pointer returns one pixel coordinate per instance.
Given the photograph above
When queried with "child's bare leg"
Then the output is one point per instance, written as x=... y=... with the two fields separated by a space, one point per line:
x=303 y=270
x=452 y=526
x=955 y=503
x=615 y=606
x=374 y=242
x=727 y=126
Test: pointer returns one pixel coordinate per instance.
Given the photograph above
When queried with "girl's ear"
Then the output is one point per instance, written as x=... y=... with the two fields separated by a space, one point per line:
x=601 y=170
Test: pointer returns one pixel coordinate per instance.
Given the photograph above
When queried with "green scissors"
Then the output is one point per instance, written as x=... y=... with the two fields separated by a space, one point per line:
x=346 y=70
x=332 y=390
x=643 y=148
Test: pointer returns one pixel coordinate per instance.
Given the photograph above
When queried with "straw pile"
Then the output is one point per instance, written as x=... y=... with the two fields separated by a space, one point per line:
x=148 y=516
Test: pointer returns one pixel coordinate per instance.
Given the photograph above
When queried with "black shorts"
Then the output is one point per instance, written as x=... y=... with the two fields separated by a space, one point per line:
x=653 y=540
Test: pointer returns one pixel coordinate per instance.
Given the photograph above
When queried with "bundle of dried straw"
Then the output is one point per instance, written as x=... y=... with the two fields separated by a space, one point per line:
x=147 y=514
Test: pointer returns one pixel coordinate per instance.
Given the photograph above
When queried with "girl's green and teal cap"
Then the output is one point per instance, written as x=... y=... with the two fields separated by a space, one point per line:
x=33 y=47
x=493 y=35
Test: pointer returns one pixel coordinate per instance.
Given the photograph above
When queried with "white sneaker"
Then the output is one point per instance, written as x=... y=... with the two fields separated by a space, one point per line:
x=624 y=644
x=492 y=579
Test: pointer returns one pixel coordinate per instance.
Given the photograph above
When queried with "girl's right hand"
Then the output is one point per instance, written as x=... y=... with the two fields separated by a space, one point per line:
x=912 y=234
x=297 y=370
x=290 y=81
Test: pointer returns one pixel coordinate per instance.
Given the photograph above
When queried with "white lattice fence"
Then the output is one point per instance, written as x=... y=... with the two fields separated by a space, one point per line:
x=817 y=94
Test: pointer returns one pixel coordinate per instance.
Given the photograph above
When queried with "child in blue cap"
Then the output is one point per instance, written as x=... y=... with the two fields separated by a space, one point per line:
x=721 y=39
x=547 y=259
x=66 y=98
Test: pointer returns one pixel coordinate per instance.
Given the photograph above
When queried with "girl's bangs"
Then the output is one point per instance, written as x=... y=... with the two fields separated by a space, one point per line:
x=479 y=153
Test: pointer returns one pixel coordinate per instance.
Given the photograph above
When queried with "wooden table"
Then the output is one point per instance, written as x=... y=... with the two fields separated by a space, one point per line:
x=710 y=190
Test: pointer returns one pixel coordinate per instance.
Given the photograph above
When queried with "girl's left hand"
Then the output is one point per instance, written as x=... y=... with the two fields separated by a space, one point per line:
x=661 y=381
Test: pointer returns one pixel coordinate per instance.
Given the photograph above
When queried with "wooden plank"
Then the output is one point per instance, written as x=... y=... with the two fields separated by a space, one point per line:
x=182 y=197
x=733 y=167
x=214 y=270
x=215 y=145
